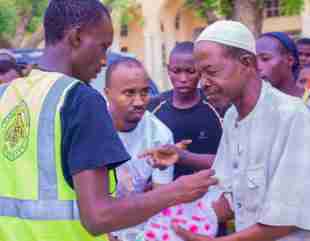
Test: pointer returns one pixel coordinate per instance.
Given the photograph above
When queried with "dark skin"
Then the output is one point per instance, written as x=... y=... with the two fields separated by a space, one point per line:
x=9 y=76
x=276 y=66
x=185 y=78
x=100 y=213
x=82 y=51
x=226 y=77
x=128 y=94
x=304 y=77
x=304 y=54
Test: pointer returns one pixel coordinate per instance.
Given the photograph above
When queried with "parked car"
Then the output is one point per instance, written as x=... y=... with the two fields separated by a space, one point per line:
x=26 y=56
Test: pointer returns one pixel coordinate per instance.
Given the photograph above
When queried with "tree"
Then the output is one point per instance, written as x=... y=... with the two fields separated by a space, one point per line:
x=21 y=20
x=122 y=10
x=21 y=23
x=250 y=12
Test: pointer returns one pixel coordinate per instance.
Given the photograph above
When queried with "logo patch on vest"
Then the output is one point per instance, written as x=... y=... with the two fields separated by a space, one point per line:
x=16 y=128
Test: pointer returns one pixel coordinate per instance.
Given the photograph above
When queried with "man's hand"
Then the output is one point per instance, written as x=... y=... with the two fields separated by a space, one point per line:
x=166 y=155
x=222 y=209
x=183 y=144
x=187 y=235
x=191 y=187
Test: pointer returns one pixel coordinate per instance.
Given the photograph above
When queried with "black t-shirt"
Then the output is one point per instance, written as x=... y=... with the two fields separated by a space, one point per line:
x=199 y=123
x=89 y=139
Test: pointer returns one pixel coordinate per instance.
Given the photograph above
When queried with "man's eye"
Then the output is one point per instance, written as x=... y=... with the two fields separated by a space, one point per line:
x=176 y=71
x=191 y=71
x=212 y=73
x=145 y=92
x=264 y=58
x=130 y=92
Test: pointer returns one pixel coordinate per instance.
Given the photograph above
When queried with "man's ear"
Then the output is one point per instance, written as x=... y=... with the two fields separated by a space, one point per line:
x=106 y=92
x=290 y=60
x=74 y=37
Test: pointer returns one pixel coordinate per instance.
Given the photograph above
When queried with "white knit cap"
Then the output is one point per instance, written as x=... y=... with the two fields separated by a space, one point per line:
x=230 y=33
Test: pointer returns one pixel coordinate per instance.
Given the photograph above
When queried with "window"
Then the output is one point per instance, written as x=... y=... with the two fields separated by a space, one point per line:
x=124 y=30
x=124 y=49
x=162 y=28
x=177 y=21
x=272 y=8
x=164 y=54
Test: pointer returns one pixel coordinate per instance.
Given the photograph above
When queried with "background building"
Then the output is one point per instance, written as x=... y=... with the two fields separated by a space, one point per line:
x=157 y=27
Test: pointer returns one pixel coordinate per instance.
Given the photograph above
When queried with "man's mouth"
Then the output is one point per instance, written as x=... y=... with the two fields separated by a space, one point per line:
x=138 y=111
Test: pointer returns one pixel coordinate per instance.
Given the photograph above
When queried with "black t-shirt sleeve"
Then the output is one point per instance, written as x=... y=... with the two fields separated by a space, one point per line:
x=157 y=100
x=89 y=138
x=154 y=102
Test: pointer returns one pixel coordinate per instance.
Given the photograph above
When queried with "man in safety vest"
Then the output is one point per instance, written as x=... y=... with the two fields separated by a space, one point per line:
x=58 y=146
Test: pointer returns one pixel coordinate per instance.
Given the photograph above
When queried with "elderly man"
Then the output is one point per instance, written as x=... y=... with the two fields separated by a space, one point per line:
x=59 y=147
x=264 y=132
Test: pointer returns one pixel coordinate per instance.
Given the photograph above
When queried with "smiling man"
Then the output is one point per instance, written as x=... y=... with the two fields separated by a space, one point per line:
x=265 y=146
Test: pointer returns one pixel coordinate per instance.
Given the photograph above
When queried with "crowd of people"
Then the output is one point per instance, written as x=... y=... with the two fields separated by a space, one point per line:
x=228 y=144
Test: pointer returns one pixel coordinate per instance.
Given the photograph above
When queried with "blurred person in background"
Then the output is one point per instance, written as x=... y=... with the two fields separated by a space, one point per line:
x=278 y=62
x=303 y=46
x=9 y=70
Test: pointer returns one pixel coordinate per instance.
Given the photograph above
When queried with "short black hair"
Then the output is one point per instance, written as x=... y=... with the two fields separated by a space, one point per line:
x=305 y=41
x=63 y=15
x=186 y=47
x=6 y=66
x=122 y=61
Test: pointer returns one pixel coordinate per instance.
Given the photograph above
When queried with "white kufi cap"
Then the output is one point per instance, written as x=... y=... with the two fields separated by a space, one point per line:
x=230 y=33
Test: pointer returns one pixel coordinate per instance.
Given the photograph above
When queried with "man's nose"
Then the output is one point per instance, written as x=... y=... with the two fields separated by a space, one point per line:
x=138 y=100
x=206 y=82
x=183 y=77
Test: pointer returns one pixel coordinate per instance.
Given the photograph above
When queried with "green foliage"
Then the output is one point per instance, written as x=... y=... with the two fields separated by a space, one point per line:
x=121 y=9
x=220 y=7
x=12 y=12
x=224 y=7
x=8 y=17
x=291 y=7
x=38 y=8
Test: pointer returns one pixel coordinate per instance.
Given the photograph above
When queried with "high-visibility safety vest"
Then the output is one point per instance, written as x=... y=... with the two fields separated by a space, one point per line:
x=36 y=203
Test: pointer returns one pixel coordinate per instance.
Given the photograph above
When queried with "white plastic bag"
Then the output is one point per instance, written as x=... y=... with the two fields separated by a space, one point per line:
x=197 y=217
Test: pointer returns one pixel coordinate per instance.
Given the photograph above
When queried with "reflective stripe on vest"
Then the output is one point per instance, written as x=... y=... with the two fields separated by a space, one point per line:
x=47 y=207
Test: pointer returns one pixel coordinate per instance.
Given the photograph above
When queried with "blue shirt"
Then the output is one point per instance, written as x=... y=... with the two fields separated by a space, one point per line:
x=89 y=139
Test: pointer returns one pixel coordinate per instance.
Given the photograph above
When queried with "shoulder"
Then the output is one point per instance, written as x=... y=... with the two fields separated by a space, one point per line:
x=210 y=109
x=286 y=106
x=83 y=93
x=230 y=117
x=159 y=131
x=158 y=100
